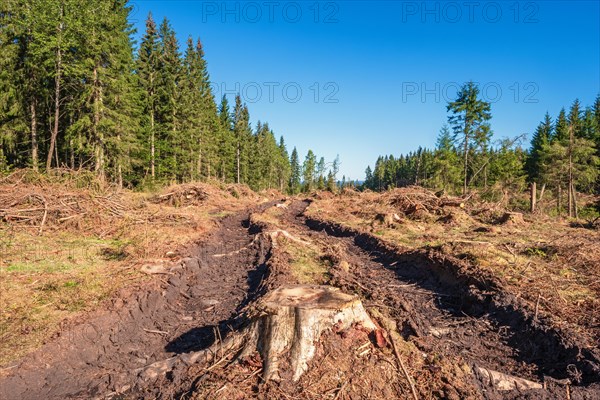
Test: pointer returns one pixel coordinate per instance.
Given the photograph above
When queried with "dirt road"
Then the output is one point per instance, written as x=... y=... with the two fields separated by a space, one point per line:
x=441 y=305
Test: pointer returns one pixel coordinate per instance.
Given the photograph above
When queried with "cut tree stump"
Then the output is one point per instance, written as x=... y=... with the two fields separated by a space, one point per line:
x=284 y=331
x=291 y=321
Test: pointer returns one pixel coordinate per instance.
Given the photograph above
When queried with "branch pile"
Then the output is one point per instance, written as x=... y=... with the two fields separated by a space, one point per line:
x=182 y=195
x=417 y=202
x=45 y=207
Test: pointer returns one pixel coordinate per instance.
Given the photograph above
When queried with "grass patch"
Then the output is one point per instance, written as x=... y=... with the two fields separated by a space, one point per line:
x=307 y=264
x=44 y=279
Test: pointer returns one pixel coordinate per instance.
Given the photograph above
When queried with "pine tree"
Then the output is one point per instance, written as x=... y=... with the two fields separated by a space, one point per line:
x=227 y=145
x=469 y=119
x=309 y=171
x=507 y=167
x=295 y=173
x=170 y=142
x=148 y=69
x=320 y=171
x=561 y=129
x=331 y=185
x=369 y=180
x=243 y=140
x=283 y=165
x=446 y=163
x=539 y=141
x=15 y=75
x=335 y=168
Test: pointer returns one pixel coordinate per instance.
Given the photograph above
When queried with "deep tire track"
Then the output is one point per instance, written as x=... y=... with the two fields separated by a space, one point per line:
x=460 y=315
x=99 y=357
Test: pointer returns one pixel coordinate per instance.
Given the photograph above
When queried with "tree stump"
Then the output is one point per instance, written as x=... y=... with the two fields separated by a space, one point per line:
x=512 y=218
x=291 y=321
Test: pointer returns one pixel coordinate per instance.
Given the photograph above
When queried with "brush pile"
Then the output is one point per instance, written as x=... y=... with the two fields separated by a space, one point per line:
x=45 y=207
x=182 y=195
x=419 y=203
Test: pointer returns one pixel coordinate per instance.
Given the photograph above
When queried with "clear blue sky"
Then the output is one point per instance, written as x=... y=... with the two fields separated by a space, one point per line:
x=375 y=76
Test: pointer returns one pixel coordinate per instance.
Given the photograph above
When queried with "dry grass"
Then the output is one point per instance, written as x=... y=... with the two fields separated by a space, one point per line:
x=67 y=244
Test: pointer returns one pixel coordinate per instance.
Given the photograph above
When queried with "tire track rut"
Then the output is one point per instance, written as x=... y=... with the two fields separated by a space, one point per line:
x=175 y=314
x=445 y=311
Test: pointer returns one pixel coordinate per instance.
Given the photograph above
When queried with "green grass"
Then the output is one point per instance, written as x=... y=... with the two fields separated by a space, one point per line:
x=307 y=264
x=44 y=279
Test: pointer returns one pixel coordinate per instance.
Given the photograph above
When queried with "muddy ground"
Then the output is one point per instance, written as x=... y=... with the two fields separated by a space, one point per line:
x=454 y=321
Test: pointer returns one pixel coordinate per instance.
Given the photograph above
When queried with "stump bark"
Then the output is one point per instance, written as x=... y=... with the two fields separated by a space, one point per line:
x=291 y=321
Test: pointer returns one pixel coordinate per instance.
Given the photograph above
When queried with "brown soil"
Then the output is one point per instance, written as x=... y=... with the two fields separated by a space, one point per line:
x=452 y=318
x=176 y=314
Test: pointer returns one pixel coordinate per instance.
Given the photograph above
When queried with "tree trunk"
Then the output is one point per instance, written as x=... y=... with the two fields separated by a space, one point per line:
x=287 y=327
x=98 y=137
x=558 y=202
x=485 y=176
x=54 y=134
x=570 y=183
x=542 y=192
x=238 y=162
x=291 y=321
x=72 y=155
x=152 y=150
x=533 y=197
x=34 y=140
x=573 y=193
x=466 y=157
x=199 y=163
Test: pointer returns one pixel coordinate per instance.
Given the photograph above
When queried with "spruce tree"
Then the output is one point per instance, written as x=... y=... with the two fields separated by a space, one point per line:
x=283 y=165
x=170 y=143
x=309 y=171
x=243 y=140
x=561 y=129
x=469 y=118
x=369 y=181
x=210 y=118
x=13 y=79
x=148 y=65
x=189 y=112
x=447 y=162
x=295 y=173
x=227 y=145
x=539 y=141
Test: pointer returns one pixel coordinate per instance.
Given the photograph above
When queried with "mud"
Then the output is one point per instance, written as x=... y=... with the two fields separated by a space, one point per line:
x=179 y=313
x=446 y=307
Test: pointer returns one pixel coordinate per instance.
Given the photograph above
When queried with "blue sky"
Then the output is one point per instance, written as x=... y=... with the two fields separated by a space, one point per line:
x=361 y=79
